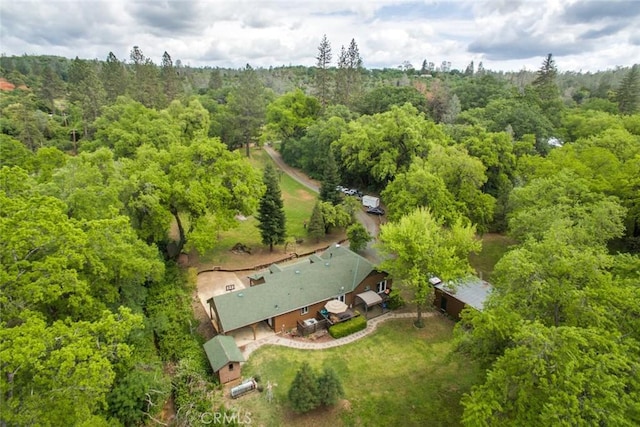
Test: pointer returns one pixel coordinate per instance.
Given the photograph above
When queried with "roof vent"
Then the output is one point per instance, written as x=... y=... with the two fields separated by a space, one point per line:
x=297 y=271
x=326 y=264
x=240 y=294
x=337 y=245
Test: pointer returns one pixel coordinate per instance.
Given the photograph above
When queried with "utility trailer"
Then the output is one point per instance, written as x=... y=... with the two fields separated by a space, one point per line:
x=245 y=387
x=370 y=201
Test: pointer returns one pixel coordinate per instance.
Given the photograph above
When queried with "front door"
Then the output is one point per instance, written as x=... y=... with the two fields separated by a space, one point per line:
x=443 y=303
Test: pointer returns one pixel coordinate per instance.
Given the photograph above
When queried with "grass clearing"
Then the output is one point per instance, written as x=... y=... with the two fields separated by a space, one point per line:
x=298 y=204
x=399 y=375
x=494 y=246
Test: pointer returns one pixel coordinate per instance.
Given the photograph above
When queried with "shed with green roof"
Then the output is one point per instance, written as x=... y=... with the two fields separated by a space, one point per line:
x=225 y=357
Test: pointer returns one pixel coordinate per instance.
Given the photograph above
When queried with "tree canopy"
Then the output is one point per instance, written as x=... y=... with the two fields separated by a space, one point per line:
x=418 y=247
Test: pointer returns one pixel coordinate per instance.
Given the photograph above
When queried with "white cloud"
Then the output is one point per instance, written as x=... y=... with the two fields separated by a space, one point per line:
x=504 y=34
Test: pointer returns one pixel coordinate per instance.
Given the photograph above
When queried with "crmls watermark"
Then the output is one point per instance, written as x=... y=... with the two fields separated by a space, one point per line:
x=222 y=418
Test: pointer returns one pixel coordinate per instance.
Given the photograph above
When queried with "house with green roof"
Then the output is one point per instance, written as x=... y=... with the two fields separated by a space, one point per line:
x=224 y=357
x=282 y=296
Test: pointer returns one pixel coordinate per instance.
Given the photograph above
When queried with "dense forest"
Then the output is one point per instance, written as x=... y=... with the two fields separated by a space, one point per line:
x=101 y=158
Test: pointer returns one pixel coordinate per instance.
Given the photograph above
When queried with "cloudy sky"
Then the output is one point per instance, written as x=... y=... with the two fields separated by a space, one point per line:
x=509 y=35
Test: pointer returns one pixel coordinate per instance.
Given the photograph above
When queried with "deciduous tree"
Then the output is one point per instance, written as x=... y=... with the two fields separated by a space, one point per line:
x=418 y=247
x=60 y=373
x=289 y=116
x=419 y=187
x=209 y=186
x=554 y=376
x=376 y=148
x=564 y=201
x=358 y=237
x=334 y=216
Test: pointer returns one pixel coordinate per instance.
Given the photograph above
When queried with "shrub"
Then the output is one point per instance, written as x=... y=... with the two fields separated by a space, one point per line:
x=329 y=387
x=171 y=318
x=309 y=390
x=395 y=300
x=303 y=394
x=349 y=327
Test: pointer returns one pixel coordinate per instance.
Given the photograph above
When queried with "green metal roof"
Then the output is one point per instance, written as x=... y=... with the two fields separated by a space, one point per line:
x=221 y=350
x=337 y=271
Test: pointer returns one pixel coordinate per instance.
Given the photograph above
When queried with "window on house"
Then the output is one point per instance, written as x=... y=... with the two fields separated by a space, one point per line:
x=381 y=286
x=231 y=366
x=304 y=310
x=342 y=298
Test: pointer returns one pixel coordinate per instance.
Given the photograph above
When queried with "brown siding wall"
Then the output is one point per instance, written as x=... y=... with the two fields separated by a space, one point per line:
x=226 y=375
x=454 y=306
x=370 y=281
x=289 y=320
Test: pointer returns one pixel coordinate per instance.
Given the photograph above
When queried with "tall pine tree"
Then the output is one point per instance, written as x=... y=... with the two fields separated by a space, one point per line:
x=170 y=78
x=146 y=87
x=114 y=77
x=348 y=82
x=303 y=394
x=329 y=387
x=316 y=223
x=247 y=103
x=330 y=180
x=628 y=94
x=546 y=89
x=322 y=74
x=86 y=91
x=271 y=210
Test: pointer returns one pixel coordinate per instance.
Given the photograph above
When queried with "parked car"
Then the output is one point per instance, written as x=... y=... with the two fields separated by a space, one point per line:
x=375 y=211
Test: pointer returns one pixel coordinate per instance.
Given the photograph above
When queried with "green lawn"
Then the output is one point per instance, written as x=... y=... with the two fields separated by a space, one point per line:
x=399 y=375
x=298 y=204
x=494 y=246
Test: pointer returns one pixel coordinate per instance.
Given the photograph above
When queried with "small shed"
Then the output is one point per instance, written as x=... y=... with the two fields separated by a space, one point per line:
x=224 y=357
x=452 y=298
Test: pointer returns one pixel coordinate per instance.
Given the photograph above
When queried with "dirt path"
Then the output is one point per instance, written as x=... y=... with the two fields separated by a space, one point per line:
x=371 y=223
x=294 y=173
x=372 y=325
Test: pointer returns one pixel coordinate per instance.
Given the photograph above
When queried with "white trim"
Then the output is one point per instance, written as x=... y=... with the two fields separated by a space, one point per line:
x=381 y=286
